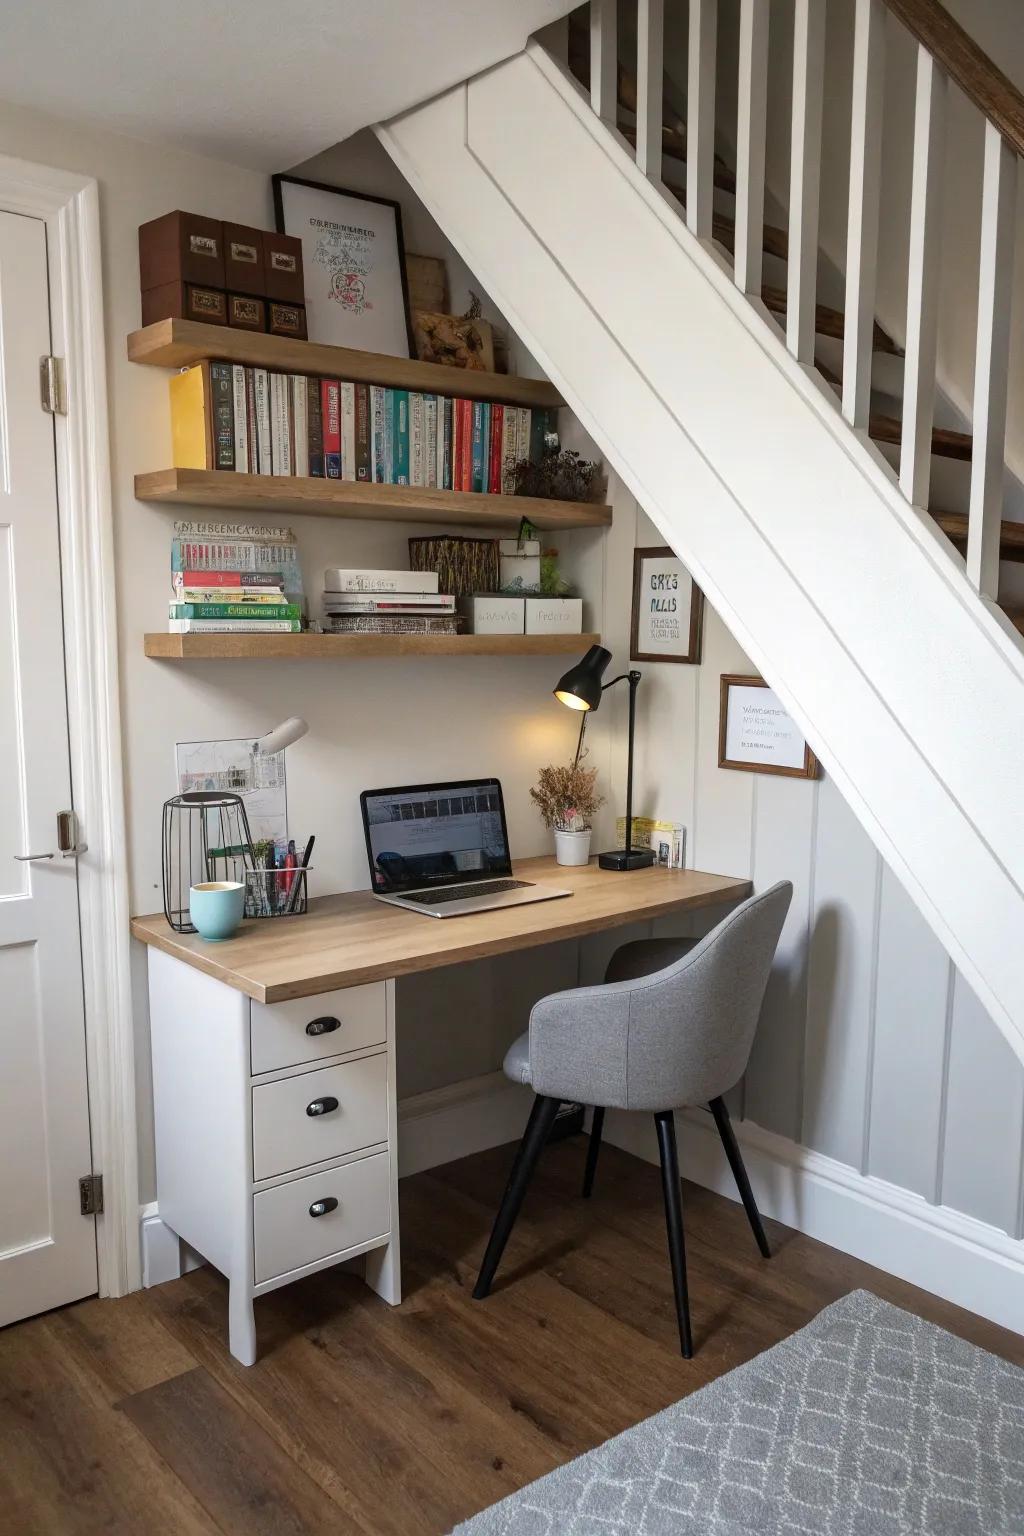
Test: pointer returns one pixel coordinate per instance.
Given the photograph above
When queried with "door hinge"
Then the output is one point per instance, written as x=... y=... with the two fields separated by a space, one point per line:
x=51 y=386
x=90 y=1192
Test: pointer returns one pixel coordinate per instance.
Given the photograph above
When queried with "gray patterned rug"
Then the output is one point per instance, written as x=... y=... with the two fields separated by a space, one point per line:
x=868 y=1422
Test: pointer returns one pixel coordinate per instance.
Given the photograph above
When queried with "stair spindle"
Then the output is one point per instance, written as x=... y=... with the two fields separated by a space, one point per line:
x=751 y=119
x=923 y=279
x=991 y=364
x=862 y=225
x=805 y=176
x=604 y=58
x=649 y=69
x=700 y=116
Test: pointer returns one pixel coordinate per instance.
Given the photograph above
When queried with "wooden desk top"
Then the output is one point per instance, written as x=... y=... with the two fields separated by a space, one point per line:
x=345 y=940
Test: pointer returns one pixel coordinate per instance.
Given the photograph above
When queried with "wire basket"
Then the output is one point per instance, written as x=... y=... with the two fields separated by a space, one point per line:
x=204 y=836
x=275 y=892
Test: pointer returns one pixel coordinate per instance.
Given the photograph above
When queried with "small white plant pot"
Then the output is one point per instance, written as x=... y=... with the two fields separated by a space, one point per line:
x=572 y=847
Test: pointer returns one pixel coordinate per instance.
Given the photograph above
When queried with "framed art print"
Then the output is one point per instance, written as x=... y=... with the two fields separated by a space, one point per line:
x=668 y=609
x=757 y=735
x=357 y=292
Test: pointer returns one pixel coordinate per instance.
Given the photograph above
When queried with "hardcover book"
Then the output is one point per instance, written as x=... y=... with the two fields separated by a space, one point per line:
x=364 y=455
x=261 y=402
x=400 y=419
x=240 y=410
x=339 y=580
x=379 y=433
x=330 y=405
x=202 y=417
x=314 y=429
x=348 y=431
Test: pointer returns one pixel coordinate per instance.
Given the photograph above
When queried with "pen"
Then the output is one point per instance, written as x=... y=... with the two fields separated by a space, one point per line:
x=304 y=865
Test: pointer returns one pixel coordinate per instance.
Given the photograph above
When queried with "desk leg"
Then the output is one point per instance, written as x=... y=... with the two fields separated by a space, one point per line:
x=241 y=1324
x=384 y=1272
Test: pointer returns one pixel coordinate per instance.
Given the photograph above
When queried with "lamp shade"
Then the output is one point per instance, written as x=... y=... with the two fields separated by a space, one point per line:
x=580 y=688
x=283 y=735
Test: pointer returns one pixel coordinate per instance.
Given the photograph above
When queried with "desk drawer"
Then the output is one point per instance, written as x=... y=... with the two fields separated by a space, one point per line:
x=288 y=1034
x=286 y=1236
x=286 y=1136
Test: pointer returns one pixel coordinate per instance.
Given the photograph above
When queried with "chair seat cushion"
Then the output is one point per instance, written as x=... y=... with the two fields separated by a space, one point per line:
x=517 y=1060
x=645 y=956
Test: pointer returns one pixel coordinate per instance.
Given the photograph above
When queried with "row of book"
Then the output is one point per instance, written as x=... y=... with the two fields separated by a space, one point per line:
x=234 y=579
x=254 y=421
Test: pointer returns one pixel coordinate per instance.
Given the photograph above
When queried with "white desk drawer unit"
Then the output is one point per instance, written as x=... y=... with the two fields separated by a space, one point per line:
x=275 y=1132
x=308 y=1219
x=309 y=1028
x=313 y=1116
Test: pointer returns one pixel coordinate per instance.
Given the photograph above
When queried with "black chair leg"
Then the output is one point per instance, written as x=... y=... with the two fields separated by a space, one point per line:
x=666 y=1127
x=720 y=1111
x=593 y=1148
x=542 y=1117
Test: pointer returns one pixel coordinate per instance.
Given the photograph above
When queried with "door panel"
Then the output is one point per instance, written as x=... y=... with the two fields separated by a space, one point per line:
x=47 y=1248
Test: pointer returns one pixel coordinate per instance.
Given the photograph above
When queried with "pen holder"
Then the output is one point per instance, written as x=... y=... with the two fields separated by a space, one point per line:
x=275 y=892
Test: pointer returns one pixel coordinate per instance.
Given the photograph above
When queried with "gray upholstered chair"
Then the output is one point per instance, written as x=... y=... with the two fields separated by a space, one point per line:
x=672 y=1025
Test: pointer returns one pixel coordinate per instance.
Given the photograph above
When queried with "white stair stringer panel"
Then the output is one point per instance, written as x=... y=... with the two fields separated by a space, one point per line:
x=909 y=686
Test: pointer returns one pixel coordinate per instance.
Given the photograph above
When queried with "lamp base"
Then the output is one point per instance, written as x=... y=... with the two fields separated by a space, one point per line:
x=618 y=858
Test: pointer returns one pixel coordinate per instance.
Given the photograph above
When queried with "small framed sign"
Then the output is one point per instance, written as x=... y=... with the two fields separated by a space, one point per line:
x=353 y=256
x=756 y=734
x=668 y=609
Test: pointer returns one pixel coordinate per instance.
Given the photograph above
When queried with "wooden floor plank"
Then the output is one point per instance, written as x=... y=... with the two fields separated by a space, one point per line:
x=403 y=1421
x=235 y=1471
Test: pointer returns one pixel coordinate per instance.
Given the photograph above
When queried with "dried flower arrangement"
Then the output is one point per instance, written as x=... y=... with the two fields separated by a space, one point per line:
x=559 y=475
x=567 y=797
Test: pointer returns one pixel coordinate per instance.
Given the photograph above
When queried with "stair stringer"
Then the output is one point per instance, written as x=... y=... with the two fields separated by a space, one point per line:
x=908 y=685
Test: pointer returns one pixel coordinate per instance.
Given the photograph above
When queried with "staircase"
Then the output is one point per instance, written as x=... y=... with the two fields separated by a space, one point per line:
x=630 y=257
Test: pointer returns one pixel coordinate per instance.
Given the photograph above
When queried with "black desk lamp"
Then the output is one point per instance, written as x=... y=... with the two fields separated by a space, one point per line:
x=581 y=688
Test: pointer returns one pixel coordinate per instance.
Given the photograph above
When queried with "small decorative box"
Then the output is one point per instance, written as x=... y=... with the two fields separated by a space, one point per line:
x=282 y=264
x=243 y=261
x=554 y=615
x=184 y=301
x=247 y=313
x=181 y=248
x=494 y=614
x=519 y=565
x=287 y=320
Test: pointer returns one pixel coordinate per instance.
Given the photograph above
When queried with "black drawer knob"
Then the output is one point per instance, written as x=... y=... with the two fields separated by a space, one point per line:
x=321 y=1207
x=323 y=1026
x=321 y=1107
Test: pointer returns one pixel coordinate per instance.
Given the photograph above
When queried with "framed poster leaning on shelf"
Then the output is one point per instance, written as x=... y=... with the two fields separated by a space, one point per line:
x=357 y=291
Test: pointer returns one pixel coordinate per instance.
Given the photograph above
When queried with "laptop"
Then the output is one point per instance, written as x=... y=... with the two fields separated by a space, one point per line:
x=442 y=849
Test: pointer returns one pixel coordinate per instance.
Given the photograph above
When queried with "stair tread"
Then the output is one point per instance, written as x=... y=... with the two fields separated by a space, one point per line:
x=828 y=321
x=1011 y=535
x=774 y=241
x=945 y=442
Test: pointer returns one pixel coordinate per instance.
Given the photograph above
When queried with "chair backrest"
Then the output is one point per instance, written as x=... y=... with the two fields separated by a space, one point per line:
x=681 y=1035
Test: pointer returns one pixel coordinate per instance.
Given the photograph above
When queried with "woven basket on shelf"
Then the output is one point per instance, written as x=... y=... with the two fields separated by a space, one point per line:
x=463 y=565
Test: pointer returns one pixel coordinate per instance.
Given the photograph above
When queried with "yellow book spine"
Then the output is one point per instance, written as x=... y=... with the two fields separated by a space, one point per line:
x=189 y=435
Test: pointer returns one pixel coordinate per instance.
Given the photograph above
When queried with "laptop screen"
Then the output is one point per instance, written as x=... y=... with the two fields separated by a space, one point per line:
x=434 y=834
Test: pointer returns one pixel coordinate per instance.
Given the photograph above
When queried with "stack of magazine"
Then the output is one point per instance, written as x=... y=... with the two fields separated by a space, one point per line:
x=364 y=602
x=234 y=578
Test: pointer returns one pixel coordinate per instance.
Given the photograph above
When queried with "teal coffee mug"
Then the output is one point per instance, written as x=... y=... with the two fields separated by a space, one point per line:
x=216 y=907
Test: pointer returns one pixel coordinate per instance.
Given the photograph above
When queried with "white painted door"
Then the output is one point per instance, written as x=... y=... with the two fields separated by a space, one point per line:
x=47 y=1248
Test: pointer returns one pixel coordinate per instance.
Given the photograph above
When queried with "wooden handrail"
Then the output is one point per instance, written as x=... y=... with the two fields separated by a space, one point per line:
x=963 y=61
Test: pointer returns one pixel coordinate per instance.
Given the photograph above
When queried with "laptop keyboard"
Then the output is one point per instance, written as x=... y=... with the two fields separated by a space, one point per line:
x=461 y=892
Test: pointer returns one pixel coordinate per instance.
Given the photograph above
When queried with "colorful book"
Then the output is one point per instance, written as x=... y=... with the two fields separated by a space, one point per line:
x=198 y=578
x=417 y=442
x=232 y=627
x=509 y=444
x=364 y=454
x=476 y=482
x=494 y=448
x=463 y=469
x=446 y=439
x=299 y=425
x=430 y=405
x=389 y=602
x=340 y=580
x=264 y=614
x=202 y=417
x=348 y=431
x=400 y=436
x=523 y=434
x=314 y=429
x=330 y=407
x=379 y=416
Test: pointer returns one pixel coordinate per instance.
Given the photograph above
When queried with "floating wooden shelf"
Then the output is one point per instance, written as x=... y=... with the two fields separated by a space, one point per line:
x=231 y=492
x=179 y=343
x=307 y=647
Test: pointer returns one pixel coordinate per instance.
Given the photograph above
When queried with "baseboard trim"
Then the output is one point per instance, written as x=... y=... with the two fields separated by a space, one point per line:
x=434 y=1127
x=941 y=1250
x=459 y=1119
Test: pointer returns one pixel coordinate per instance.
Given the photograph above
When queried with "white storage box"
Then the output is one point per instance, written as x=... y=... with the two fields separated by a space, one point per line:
x=554 y=615
x=491 y=613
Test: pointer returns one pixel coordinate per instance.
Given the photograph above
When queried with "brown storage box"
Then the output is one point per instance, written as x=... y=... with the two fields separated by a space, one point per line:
x=282 y=261
x=246 y=313
x=184 y=301
x=181 y=248
x=243 y=260
x=287 y=320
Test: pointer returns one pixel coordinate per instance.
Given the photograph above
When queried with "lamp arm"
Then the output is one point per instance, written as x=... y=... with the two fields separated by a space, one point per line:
x=579 y=743
x=623 y=677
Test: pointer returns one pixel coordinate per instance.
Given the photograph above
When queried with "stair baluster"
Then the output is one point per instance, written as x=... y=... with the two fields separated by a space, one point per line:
x=700 y=116
x=805 y=177
x=751 y=128
x=862 y=224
